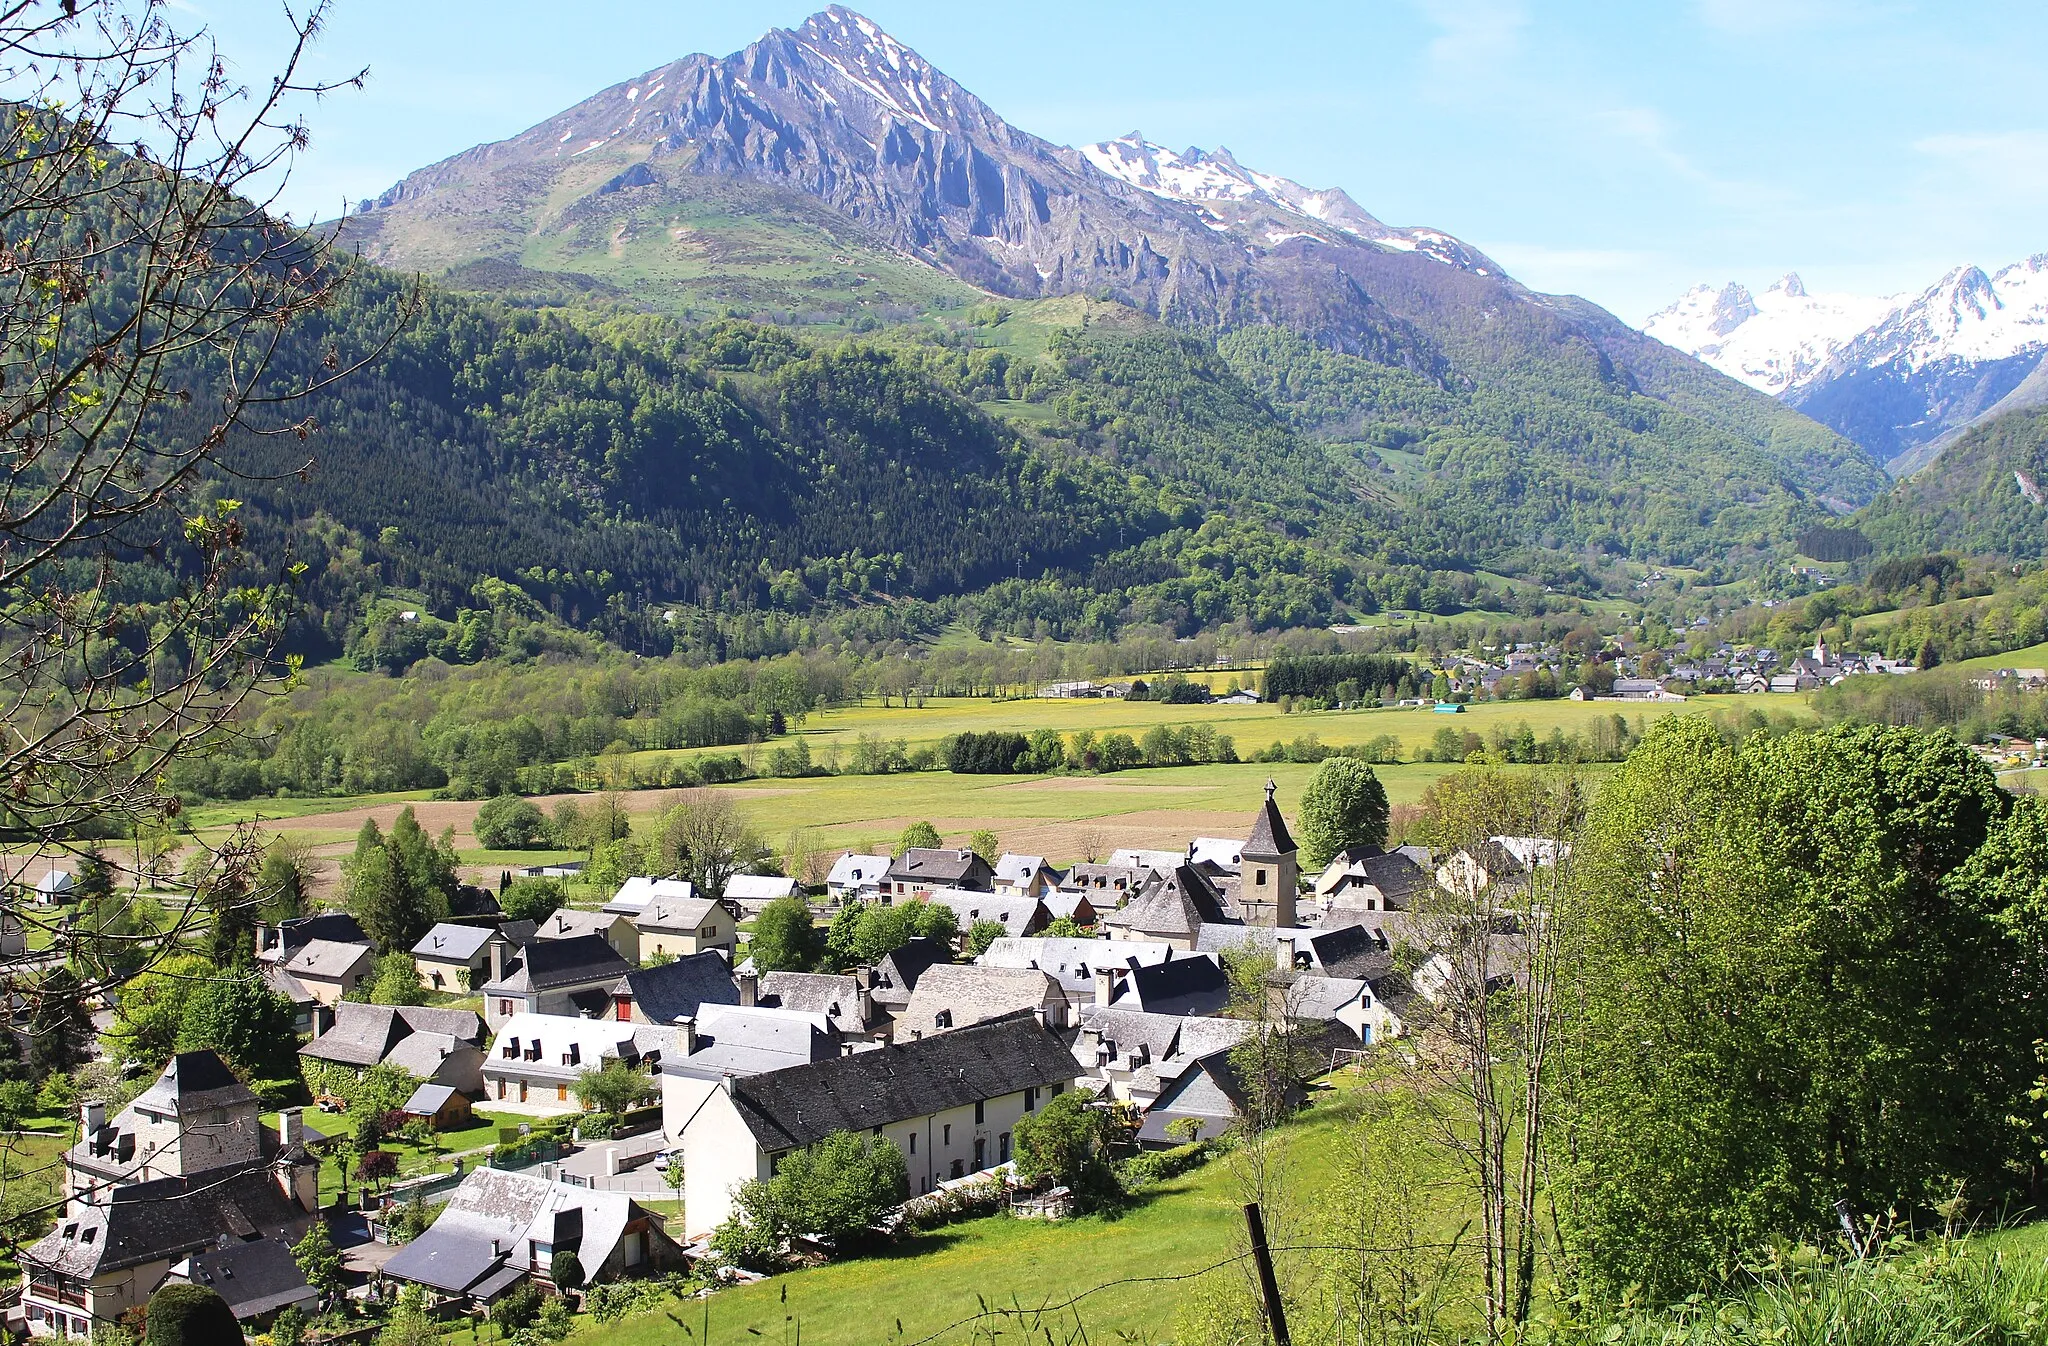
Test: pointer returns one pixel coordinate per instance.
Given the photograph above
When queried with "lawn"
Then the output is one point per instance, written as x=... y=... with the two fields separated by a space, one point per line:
x=413 y=1161
x=2033 y=656
x=926 y=1285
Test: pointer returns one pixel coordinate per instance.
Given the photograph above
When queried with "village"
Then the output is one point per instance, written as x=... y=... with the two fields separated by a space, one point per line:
x=644 y=1055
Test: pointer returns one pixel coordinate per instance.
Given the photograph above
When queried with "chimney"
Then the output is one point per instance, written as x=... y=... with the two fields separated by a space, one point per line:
x=750 y=987
x=1105 y=986
x=291 y=1126
x=1283 y=953
x=497 y=946
x=866 y=1004
x=686 y=1035
x=95 y=1115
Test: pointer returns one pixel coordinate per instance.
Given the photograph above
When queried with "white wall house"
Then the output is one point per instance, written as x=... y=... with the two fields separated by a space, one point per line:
x=950 y=1103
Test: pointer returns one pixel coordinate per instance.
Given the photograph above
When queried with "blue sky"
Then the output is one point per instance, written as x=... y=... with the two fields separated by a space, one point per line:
x=1623 y=151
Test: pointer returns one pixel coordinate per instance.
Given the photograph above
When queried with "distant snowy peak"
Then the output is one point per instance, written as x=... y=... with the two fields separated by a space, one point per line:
x=1229 y=194
x=1776 y=341
x=1789 y=338
x=1966 y=316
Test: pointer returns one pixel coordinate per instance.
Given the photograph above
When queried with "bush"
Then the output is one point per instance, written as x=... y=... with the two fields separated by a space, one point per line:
x=1150 y=1166
x=565 y=1271
x=189 y=1315
x=509 y=823
x=518 y=1309
x=533 y=900
x=1065 y=1145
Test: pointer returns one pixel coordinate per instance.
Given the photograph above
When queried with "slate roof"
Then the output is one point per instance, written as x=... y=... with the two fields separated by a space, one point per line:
x=364 y=1035
x=451 y=943
x=549 y=964
x=825 y=993
x=588 y=1042
x=1196 y=985
x=974 y=993
x=896 y=975
x=1074 y=961
x=1269 y=835
x=1017 y=914
x=1019 y=868
x=327 y=959
x=193 y=1082
x=638 y=891
x=338 y=926
x=676 y=990
x=166 y=1219
x=568 y=923
x=1179 y=903
x=502 y=1208
x=943 y=866
x=758 y=887
x=1103 y=880
x=804 y=1104
x=254 y=1278
x=428 y=1098
x=854 y=870
x=737 y=1041
x=676 y=915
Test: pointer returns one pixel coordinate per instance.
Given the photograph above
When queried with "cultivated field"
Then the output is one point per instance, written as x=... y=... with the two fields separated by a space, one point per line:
x=1063 y=817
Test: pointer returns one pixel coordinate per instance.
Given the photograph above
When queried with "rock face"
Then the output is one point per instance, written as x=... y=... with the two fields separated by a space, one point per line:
x=842 y=113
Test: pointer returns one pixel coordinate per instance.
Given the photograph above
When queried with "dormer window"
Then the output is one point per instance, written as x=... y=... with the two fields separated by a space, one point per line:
x=943 y=1019
x=511 y=1048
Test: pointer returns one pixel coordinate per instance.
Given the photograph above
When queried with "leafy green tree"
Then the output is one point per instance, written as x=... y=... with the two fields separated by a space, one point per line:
x=149 y=1012
x=289 y=1327
x=1063 y=927
x=985 y=844
x=1065 y=1143
x=319 y=1259
x=533 y=900
x=565 y=1270
x=189 y=1315
x=785 y=938
x=918 y=836
x=59 y=1028
x=613 y=862
x=398 y=886
x=614 y=1087
x=838 y=1188
x=250 y=1025
x=1343 y=806
x=283 y=880
x=509 y=823
x=395 y=980
x=1799 y=985
x=517 y=1310
x=982 y=934
x=95 y=877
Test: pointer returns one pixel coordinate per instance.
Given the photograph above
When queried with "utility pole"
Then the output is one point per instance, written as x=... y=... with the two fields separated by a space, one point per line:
x=1269 y=1288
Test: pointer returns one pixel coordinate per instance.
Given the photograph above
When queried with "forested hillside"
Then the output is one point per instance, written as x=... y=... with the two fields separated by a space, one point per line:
x=1982 y=496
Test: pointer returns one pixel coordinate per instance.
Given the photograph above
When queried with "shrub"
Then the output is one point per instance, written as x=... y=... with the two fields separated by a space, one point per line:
x=509 y=823
x=518 y=1309
x=1150 y=1166
x=565 y=1271
x=189 y=1315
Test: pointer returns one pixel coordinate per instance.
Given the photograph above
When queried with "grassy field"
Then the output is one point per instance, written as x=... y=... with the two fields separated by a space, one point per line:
x=1062 y=817
x=2034 y=656
x=923 y=1289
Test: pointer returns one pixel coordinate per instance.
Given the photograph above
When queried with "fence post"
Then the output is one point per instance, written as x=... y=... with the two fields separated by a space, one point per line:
x=1269 y=1287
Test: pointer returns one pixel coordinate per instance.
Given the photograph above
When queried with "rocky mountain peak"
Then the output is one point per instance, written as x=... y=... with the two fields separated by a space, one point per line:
x=1790 y=286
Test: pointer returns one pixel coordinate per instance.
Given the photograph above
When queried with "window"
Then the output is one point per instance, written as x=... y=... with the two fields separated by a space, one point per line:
x=959 y=1170
x=1260 y=878
x=511 y=1048
x=980 y=1110
x=913 y=1142
x=1003 y=1148
x=980 y=1153
x=575 y=1056
x=943 y=1019
x=947 y=1138
x=1031 y=1100
x=504 y=1007
x=561 y=1093
x=522 y=1091
x=501 y=1088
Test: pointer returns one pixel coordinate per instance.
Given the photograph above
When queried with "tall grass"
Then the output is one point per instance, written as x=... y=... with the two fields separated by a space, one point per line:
x=1951 y=1296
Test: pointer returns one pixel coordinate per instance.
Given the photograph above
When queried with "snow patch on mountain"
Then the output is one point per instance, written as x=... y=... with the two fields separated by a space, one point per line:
x=1774 y=342
x=1227 y=192
x=1787 y=338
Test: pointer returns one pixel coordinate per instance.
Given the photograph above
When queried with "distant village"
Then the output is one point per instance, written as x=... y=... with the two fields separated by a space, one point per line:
x=1110 y=977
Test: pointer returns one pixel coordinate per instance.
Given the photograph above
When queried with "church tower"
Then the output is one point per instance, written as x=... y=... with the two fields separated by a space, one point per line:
x=1267 y=881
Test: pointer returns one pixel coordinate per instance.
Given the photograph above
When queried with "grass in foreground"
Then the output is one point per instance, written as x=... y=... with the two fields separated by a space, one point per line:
x=930 y=1284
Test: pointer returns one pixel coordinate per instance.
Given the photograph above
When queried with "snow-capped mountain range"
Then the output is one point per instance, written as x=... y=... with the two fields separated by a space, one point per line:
x=1227 y=193
x=1900 y=374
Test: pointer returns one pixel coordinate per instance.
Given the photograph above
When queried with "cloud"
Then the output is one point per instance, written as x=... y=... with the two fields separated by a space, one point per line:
x=1763 y=18
x=1474 y=36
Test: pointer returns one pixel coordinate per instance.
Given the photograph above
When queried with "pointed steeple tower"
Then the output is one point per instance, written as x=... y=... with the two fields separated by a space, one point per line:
x=1269 y=873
